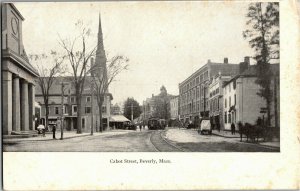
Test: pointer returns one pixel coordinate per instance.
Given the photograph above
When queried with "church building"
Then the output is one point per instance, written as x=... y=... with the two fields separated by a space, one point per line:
x=89 y=107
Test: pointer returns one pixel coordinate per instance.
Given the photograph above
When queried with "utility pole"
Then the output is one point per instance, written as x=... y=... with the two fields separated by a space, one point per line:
x=92 y=112
x=131 y=113
x=62 y=112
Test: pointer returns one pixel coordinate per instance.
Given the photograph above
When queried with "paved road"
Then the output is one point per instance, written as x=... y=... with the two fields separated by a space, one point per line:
x=136 y=141
x=133 y=141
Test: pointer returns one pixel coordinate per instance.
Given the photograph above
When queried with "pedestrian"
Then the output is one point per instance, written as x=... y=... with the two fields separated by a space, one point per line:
x=53 y=130
x=232 y=128
x=140 y=127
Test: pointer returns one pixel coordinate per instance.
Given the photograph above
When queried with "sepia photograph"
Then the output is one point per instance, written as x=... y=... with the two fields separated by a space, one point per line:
x=103 y=78
x=150 y=95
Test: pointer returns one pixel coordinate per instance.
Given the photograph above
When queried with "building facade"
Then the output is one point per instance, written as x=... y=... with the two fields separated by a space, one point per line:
x=18 y=75
x=89 y=106
x=174 y=103
x=216 y=100
x=243 y=104
x=194 y=91
x=116 y=109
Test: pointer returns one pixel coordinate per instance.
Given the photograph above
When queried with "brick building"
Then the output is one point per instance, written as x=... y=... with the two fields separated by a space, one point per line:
x=194 y=93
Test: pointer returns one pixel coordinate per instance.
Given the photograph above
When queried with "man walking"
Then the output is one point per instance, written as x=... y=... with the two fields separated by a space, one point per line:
x=53 y=130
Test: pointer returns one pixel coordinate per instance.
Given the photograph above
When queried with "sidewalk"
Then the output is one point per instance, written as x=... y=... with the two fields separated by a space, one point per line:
x=66 y=135
x=227 y=134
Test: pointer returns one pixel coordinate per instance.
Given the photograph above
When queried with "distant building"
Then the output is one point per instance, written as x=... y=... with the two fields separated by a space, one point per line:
x=241 y=102
x=157 y=106
x=18 y=75
x=174 y=103
x=193 y=91
x=116 y=109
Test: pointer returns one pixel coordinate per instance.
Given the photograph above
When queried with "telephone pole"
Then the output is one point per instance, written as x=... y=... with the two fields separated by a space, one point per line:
x=92 y=112
x=131 y=113
x=62 y=111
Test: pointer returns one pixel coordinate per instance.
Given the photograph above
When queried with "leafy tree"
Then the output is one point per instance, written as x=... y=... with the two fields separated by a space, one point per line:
x=263 y=36
x=132 y=104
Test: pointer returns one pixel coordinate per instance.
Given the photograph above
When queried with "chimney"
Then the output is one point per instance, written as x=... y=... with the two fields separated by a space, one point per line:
x=225 y=60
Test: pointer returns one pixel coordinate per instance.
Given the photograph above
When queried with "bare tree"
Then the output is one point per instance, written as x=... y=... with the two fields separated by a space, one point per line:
x=102 y=78
x=48 y=67
x=78 y=55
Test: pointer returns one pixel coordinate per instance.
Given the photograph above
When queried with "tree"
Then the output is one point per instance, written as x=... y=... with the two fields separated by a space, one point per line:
x=132 y=105
x=78 y=55
x=263 y=35
x=102 y=78
x=48 y=67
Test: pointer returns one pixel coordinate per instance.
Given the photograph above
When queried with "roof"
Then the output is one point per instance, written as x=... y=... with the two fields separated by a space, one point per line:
x=55 y=89
x=118 y=118
x=251 y=72
x=224 y=68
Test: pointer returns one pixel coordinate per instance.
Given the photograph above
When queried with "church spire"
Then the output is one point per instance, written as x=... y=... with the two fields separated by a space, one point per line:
x=100 y=34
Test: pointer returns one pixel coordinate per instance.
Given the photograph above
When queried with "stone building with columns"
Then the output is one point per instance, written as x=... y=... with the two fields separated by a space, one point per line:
x=18 y=75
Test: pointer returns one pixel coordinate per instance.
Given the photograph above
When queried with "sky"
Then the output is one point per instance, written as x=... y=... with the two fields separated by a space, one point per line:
x=165 y=41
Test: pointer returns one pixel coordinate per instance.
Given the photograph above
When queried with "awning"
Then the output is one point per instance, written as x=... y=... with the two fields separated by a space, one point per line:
x=118 y=118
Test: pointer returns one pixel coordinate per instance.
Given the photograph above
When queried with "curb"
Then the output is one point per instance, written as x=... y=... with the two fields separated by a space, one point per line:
x=225 y=136
x=258 y=144
x=11 y=140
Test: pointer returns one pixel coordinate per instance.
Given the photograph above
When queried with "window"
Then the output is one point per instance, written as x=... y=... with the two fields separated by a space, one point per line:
x=229 y=101
x=225 y=117
x=103 y=109
x=229 y=87
x=74 y=109
x=56 y=110
x=72 y=99
x=88 y=99
x=225 y=102
x=83 y=123
x=234 y=99
x=65 y=109
x=197 y=80
x=87 y=109
x=229 y=118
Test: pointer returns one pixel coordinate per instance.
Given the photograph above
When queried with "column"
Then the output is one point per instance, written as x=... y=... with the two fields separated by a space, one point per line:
x=24 y=106
x=31 y=98
x=7 y=102
x=16 y=119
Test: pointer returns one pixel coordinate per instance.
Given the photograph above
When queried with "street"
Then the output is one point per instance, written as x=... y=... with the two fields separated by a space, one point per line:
x=171 y=140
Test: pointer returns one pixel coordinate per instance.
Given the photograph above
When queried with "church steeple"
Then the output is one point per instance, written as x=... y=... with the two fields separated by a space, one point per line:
x=100 y=61
x=100 y=34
